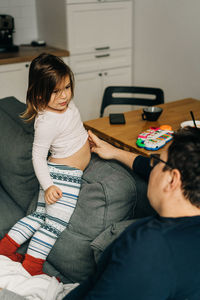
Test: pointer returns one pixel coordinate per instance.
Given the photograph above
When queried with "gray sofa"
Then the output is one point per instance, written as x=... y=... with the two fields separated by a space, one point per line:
x=110 y=198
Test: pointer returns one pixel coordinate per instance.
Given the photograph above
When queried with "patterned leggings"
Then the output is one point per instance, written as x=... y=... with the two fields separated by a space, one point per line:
x=48 y=221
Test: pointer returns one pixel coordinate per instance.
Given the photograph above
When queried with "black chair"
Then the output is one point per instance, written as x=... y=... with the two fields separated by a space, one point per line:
x=109 y=99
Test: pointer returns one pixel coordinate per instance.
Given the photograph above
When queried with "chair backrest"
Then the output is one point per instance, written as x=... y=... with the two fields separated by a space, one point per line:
x=109 y=99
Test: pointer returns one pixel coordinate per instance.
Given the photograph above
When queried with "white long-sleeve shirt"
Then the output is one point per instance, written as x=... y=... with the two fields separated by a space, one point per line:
x=62 y=134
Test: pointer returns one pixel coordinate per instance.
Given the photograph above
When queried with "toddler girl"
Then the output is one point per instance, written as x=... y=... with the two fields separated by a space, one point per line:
x=58 y=130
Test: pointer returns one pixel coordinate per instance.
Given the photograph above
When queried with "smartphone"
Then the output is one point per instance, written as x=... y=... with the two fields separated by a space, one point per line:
x=117 y=118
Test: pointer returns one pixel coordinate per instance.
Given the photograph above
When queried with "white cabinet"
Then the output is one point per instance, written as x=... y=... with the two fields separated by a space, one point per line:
x=85 y=27
x=98 y=26
x=66 y=60
x=98 y=35
x=14 y=80
x=89 y=89
x=104 y=60
x=93 y=74
x=91 y=1
x=87 y=94
x=119 y=76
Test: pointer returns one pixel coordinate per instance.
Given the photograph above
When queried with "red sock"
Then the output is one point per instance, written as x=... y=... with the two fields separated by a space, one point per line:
x=8 y=247
x=33 y=265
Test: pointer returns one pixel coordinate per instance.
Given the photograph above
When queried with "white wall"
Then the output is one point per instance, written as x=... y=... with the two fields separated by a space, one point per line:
x=24 y=13
x=167 y=46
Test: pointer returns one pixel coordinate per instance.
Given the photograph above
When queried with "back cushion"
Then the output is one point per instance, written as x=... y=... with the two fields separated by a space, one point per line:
x=107 y=196
x=16 y=171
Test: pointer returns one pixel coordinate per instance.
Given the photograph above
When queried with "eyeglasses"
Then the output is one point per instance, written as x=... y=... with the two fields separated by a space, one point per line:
x=155 y=159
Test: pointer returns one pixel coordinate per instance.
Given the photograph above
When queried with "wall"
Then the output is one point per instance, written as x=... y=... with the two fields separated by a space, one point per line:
x=167 y=46
x=24 y=13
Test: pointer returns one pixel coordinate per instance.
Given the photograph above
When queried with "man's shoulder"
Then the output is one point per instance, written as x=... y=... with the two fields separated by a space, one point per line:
x=145 y=226
x=142 y=242
x=144 y=232
x=160 y=232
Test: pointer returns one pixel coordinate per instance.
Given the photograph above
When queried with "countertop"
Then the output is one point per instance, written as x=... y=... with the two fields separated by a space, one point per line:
x=28 y=53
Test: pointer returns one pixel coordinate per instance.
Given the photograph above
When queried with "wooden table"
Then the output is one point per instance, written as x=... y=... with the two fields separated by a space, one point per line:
x=125 y=136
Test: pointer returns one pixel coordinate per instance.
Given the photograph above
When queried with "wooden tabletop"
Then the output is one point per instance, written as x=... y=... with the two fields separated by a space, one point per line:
x=28 y=53
x=125 y=136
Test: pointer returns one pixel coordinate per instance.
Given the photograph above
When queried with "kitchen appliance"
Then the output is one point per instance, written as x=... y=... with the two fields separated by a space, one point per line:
x=6 y=34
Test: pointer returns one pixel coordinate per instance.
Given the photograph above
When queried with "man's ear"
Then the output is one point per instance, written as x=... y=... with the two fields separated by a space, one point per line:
x=174 y=180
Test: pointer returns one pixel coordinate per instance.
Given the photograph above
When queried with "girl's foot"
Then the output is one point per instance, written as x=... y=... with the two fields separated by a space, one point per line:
x=8 y=247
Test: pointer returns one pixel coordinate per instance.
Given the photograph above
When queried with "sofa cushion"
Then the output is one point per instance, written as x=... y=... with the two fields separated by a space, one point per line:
x=107 y=196
x=16 y=171
x=10 y=212
x=104 y=239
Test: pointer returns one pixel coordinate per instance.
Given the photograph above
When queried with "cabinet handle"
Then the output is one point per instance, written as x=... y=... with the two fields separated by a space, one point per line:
x=26 y=65
x=103 y=55
x=102 y=48
x=100 y=74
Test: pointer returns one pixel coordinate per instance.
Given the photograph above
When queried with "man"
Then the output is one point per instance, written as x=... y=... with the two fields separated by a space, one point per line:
x=158 y=257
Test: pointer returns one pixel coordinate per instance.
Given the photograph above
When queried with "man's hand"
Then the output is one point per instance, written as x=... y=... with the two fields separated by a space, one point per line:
x=107 y=151
x=98 y=146
x=52 y=194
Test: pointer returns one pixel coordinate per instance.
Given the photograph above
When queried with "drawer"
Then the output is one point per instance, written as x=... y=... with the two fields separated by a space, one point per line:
x=94 y=26
x=101 y=60
x=91 y=1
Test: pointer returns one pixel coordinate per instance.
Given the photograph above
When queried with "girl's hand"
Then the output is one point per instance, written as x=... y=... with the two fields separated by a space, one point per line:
x=52 y=194
x=98 y=146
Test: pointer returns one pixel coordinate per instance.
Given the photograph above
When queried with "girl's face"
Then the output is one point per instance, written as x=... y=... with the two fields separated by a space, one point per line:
x=60 y=97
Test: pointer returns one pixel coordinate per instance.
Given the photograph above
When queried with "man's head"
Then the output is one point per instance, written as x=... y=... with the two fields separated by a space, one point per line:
x=183 y=166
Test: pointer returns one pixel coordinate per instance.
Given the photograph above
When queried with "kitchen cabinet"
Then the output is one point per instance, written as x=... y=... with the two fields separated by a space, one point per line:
x=89 y=89
x=98 y=26
x=105 y=59
x=14 y=80
x=98 y=35
x=87 y=94
x=91 y=1
x=93 y=74
x=85 y=27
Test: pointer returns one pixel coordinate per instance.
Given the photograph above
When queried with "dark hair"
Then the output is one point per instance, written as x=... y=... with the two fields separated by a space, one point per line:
x=184 y=155
x=45 y=73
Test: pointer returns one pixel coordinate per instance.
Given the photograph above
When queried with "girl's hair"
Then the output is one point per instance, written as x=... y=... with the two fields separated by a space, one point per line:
x=46 y=72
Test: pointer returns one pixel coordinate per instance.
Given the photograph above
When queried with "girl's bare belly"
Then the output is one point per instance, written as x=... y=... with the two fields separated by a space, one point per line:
x=78 y=160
